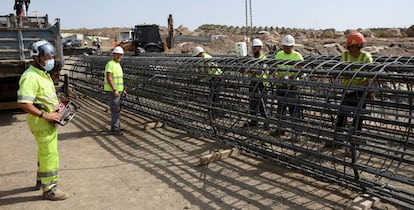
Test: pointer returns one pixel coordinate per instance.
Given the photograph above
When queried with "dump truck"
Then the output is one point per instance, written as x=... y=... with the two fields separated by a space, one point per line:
x=17 y=33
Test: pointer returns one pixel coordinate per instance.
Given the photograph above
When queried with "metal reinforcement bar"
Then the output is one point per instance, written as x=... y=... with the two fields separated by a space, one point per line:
x=405 y=60
x=305 y=115
x=409 y=60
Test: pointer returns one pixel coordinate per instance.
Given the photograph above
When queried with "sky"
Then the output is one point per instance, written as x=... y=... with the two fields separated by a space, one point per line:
x=304 y=14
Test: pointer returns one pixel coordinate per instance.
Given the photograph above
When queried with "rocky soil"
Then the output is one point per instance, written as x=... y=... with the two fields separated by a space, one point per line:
x=380 y=41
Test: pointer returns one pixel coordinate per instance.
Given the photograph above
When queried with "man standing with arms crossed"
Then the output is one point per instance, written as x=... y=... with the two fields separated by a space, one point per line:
x=114 y=86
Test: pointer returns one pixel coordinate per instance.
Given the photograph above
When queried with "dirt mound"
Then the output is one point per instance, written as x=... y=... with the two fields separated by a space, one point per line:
x=410 y=31
x=381 y=41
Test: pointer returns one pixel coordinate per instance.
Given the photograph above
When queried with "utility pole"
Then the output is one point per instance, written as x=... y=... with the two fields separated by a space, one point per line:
x=251 y=20
x=247 y=20
x=170 y=38
x=249 y=15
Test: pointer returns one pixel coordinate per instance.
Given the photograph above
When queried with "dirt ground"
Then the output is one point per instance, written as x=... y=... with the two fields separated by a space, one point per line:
x=149 y=168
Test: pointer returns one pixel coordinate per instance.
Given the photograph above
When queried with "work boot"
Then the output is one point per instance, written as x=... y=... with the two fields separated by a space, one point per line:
x=55 y=194
x=116 y=133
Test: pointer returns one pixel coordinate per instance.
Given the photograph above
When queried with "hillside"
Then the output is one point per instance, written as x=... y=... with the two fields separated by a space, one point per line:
x=381 y=41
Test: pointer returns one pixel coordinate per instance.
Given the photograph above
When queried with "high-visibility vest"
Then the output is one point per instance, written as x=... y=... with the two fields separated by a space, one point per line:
x=363 y=57
x=117 y=76
x=37 y=87
x=264 y=74
x=213 y=69
x=281 y=55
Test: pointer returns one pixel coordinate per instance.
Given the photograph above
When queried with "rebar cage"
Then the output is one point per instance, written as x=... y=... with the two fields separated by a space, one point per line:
x=308 y=119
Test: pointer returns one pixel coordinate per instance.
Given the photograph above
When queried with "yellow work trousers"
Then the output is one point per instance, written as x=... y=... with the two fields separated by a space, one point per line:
x=47 y=150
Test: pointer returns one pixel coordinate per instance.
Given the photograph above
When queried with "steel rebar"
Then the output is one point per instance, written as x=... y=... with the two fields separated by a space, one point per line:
x=374 y=148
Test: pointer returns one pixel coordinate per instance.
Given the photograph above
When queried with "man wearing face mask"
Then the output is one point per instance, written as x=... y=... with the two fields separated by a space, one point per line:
x=37 y=96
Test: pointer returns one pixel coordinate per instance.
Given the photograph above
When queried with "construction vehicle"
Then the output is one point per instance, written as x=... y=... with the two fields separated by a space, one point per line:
x=146 y=38
x=17 y=33
x=142 y=38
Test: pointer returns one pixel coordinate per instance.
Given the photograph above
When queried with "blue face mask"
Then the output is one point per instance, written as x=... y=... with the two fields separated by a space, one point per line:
x=49 y=64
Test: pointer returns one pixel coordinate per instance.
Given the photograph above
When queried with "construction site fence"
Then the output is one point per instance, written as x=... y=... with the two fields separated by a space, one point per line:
x=347 y=123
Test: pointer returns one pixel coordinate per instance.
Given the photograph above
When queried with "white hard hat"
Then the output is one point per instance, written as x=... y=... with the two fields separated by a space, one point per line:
x=257 y=43
x=288 y=40
x=85 y=43
x=197 y=50
x=42 y=48
x=118 y=50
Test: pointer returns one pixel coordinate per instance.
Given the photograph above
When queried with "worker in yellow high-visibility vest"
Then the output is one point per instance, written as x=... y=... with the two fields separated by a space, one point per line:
x=213 y=71
x=354 y=53
x=93 y=39
x=257 y=89
x=114 y=86
x=285 y=91
x=37 y=96
x=354 y=44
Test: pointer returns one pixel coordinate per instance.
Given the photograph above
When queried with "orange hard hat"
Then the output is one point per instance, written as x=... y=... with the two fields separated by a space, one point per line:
x=355 y=38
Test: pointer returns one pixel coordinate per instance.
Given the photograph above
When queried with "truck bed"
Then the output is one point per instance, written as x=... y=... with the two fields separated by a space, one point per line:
x=16 y=37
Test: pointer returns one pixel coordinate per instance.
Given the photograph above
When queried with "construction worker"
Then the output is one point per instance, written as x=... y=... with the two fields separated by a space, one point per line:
x=85 y=45
x=98 y=43
x=214 y=80
x=354 y=53
x=257 y=88
x=37 y=97
x=18 y=6
x=114 y=86
x=93 y=39
x=285 y=90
